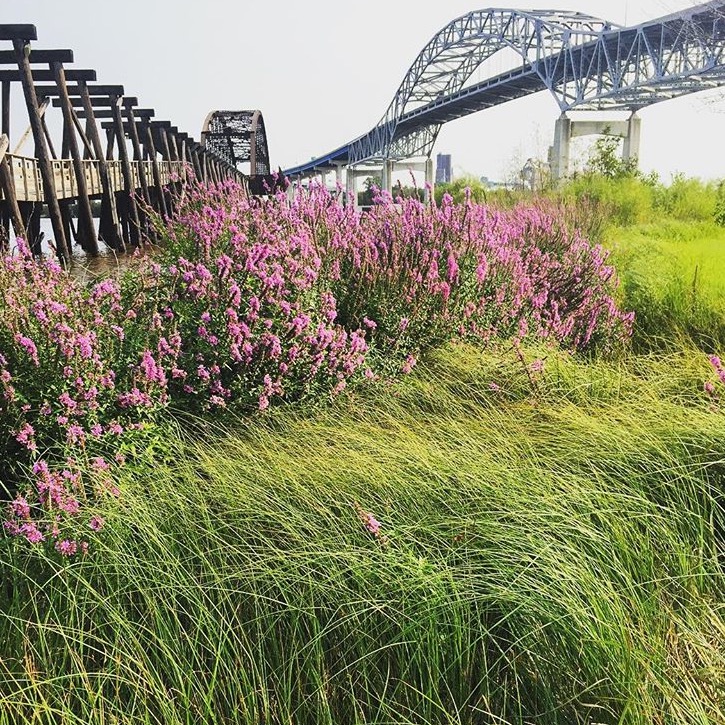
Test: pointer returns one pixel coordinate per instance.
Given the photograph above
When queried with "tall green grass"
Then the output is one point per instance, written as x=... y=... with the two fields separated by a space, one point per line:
x=550 y=552
x=673 y=275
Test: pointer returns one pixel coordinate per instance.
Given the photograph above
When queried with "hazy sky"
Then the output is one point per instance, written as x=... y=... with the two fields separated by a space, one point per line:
x=324 y=71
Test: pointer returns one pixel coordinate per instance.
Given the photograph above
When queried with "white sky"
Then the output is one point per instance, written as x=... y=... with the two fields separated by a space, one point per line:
x=323 y=72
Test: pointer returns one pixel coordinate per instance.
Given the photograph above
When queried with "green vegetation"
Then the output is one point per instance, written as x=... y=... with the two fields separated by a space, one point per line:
x=550 y=545
x=547 y=553
x=673 y=274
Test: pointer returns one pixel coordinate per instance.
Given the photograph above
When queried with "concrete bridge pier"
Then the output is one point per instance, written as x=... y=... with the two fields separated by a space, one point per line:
x=352 y=174
x=338 y=176
x=566 y=129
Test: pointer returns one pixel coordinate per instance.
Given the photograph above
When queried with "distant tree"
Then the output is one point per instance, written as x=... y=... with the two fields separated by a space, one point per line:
x=370 y=187
x=605 y=159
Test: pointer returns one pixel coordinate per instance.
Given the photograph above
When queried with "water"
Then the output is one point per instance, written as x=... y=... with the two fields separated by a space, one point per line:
x=85 y=268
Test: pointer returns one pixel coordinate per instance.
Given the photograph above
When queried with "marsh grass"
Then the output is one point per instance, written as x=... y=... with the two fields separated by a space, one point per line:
x=550 y=552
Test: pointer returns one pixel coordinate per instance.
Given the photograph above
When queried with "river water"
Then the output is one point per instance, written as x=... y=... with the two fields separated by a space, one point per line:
x=87 y=269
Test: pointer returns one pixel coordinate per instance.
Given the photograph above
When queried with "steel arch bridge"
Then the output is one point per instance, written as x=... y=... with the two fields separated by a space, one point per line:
x=586 y=63
x=238 y=137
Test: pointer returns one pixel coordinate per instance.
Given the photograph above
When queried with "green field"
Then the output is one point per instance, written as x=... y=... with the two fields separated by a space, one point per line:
x=673 y=275
x=548 y=553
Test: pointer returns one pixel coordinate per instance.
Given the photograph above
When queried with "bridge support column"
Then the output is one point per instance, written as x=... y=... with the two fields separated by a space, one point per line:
x=566 y=129
x=350 y=187
x=561 y=148
x=429 y=180
x=387 y=176
x=633 y=138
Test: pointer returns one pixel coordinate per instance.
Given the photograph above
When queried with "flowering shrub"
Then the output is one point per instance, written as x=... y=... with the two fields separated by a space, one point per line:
x=719 y=369
x=251 y=302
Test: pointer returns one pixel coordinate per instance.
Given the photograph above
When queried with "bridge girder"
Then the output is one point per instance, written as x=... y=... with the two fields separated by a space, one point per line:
x=587 y=63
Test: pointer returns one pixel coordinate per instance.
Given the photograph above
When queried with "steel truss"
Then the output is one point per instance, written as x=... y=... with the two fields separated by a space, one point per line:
x=586 y=63
x=238 y=137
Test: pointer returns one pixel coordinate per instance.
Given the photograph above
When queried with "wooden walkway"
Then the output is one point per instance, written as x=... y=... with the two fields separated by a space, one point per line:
x=142 y=166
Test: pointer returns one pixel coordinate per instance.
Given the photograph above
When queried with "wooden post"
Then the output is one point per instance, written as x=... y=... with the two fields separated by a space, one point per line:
x=174 y=148
x=109 y=225
x=134 y=223
x=30 y=212
x=165 y=148
x=48 y=139
x=7 y=183
x=133 y=134
x=196 y=162
x=6 y=108
x=168 y=142
x=7 y=204
x=161 y=201
x=86 y=229
x=110 y=140
x=22 y=48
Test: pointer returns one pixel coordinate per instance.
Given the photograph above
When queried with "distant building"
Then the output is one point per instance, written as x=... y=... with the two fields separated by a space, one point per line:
x=443 y=169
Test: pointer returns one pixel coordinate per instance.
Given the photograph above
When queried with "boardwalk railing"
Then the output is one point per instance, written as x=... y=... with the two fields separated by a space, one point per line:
x=142 y=166
x=25 y=173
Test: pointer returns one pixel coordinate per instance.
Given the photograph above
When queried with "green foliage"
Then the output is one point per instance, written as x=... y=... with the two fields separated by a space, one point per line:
x=462 y=189
x=673 y=276
x=626 y=199
x=605 y=160
x=621 y=200
x=686 y=199
x=720 y=205
x=370 y=187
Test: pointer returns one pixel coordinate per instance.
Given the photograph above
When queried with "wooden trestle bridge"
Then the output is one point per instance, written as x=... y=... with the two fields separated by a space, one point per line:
x=142 y=166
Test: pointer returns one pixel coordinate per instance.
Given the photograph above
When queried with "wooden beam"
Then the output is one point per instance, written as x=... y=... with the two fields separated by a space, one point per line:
x=126 y=125
x=160 y=199
x=18 y=32
x=41 y=150
x=75 y=91
x=10 y=201
x=6 y=108
x=164 y=138
x=140 y=113
x=7 y=57
x=41 y=109
x=134 y=223
x=46 y=76
x=101 y=101
x=48 y=139
x=88 y=152
x=109 y=226
x=133 y=128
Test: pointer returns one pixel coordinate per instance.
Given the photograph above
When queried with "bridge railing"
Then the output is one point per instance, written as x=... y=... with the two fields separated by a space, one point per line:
x=26 y=176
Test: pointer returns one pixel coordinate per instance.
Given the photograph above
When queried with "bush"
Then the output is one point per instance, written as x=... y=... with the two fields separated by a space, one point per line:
x=251 y=303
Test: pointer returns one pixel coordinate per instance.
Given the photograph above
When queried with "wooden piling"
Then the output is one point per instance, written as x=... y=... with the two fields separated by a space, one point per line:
x=22 y=51
x=109 y=223
x=132 y=217
x=151 y=146
x=10 y=200
x=86 y=229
